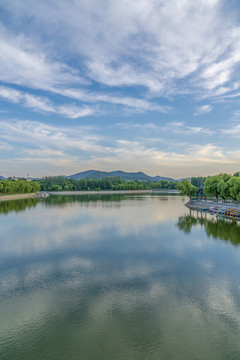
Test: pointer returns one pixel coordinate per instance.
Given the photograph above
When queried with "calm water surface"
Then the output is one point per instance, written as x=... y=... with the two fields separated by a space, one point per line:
x=117 y=277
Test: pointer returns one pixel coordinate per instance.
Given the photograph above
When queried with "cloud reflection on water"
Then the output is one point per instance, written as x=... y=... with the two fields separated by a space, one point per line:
x=150 y=288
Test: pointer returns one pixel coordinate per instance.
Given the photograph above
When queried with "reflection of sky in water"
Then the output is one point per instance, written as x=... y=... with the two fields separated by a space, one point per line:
x=83 y=225
x=119 y=279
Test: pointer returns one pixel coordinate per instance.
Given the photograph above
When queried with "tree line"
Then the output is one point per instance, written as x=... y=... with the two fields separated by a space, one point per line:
x=20 y=186
x=60 y=183
x=224 y=186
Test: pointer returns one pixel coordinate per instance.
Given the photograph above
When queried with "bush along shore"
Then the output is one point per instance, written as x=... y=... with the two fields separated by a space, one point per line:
x=219 y=195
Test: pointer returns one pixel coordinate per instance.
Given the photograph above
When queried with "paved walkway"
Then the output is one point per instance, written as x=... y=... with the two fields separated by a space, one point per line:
x=205 y=204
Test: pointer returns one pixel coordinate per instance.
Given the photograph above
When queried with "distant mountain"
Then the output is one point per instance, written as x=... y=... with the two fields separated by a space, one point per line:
x=122 y=174
x=2 y=178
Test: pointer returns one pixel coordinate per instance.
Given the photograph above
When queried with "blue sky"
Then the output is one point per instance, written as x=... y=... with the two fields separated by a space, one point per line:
x=141 y=85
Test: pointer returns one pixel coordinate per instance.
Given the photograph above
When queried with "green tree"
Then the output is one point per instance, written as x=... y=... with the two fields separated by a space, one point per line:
x=217 y=186
x=234 y=187
x=223 y=186
x=198 y=181
x=186 y=188
x=211 y=186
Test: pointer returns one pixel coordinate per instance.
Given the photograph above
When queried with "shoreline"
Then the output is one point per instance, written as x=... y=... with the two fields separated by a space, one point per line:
x=16 y=196
x=109 y=192
x=101 y=192
x=93 y=192
x=203 y=204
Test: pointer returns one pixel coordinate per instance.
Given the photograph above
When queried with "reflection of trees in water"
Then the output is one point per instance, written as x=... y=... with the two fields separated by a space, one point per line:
x=217 y=228
x=65 y=199
x=17 y=205
x=185 y=223
x=90 y=198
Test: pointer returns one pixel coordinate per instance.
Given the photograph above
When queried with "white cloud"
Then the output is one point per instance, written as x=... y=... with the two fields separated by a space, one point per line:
x=180 y=128
x=175 y=127
x=43 y=104
x=140 y=105
x=10 y=94
x=209 y=153
x=204 y=109
x=138 y=43
x=60 y=145
x=41 y=135
x=233 y=131
x=43 y=153
x=235 y=118
x=24 y=62
x=192 y=130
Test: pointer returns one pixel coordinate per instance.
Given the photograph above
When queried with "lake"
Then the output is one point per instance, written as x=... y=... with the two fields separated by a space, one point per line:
x=117 y=277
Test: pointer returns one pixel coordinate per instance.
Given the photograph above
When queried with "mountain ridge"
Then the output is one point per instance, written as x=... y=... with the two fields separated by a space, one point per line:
x=122 y=174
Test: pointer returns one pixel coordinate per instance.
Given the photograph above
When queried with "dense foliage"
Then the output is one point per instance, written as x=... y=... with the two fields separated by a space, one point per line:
x=18 y=186
x=223 y=186
x=198 y=181
x=111 y=183
x=187 y=189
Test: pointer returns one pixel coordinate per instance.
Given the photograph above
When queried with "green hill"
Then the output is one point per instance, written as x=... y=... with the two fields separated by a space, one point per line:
x=136 y=176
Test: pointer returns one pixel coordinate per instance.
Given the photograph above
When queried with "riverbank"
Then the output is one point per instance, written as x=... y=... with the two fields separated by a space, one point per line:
x=206 y=204
x=26 y=196
x=101 y=192
x=16 y=196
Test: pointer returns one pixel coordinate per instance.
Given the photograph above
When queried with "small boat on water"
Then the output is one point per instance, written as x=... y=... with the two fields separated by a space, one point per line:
x=222 y=211
x=233 y=213
x=41 y=195
x=230 y=212
x=214 y=209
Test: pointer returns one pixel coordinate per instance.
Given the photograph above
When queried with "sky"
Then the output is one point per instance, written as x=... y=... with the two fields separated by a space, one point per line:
x=140 y=85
